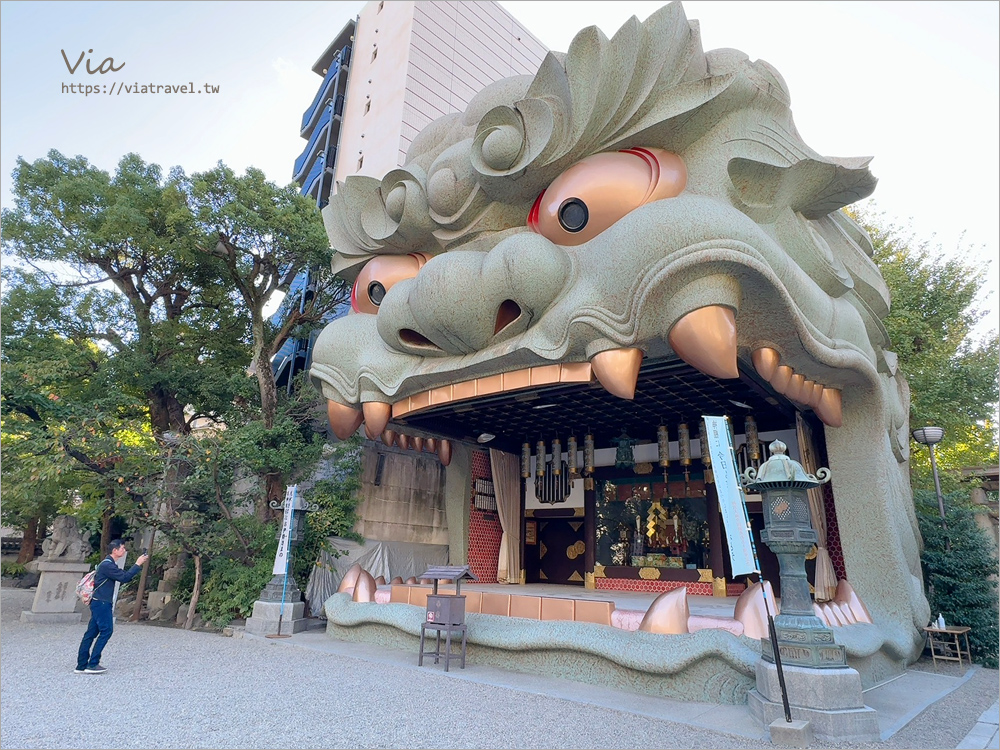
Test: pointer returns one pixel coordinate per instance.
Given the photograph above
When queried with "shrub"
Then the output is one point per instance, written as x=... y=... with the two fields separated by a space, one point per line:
x=960 y=582
x=231 y=589
x=12 y=569
x=235 y=578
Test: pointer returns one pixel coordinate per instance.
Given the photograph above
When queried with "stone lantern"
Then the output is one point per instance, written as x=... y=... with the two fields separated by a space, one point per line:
x=282 y=593
x=803 y=639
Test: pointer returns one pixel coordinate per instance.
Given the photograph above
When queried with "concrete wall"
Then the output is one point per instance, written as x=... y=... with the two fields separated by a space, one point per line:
x=408 y=505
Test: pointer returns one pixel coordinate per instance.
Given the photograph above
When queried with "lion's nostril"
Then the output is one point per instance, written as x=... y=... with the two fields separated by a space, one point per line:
x=412 y=338
x=507 y=313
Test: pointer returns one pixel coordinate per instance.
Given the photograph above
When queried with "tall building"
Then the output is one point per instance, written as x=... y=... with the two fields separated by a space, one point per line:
x=390 y=72
x=395 y=69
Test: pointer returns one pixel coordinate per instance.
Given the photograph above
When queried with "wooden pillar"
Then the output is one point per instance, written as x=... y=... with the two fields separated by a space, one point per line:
x=590 y=534
x=523 y=486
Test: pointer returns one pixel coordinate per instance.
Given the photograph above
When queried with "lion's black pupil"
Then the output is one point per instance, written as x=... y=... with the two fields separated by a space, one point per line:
x=573 y=215
x=376 y=293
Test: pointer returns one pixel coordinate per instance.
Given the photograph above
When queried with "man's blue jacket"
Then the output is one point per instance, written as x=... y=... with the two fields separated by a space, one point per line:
x=107 y=573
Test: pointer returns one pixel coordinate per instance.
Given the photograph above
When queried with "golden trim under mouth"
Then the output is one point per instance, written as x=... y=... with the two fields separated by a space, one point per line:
x=531 y=377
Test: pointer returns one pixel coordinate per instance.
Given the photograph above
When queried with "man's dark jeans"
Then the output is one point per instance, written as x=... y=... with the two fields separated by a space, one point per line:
x=101 y=626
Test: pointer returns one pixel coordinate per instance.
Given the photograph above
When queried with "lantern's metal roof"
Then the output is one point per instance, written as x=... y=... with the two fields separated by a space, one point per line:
x=780 y=471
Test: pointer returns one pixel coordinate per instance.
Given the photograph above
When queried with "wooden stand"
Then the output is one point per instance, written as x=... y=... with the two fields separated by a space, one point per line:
x=449 y=628
x=945 y=643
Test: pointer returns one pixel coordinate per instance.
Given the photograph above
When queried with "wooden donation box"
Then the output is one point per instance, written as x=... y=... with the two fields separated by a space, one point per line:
x=445 y=612
x=446 y=609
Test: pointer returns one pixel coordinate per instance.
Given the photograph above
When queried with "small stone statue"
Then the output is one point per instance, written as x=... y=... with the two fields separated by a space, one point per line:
x=66 y=542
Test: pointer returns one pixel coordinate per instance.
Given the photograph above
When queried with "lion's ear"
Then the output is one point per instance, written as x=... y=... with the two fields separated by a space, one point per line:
x=810 y=187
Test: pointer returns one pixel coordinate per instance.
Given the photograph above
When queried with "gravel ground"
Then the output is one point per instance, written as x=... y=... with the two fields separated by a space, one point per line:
x=168 y=688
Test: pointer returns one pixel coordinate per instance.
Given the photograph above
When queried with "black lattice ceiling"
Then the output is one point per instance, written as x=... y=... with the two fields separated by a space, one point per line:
x=668 y=392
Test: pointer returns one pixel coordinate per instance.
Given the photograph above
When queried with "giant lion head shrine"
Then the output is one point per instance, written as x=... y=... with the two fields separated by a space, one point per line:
x=551 y=290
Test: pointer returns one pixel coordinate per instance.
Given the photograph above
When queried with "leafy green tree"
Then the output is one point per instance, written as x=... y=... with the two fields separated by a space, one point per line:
x=953 y=377
x=68 y=433
x=960 y=575
x=132 y=232
x=150 y=290
x=262 y=237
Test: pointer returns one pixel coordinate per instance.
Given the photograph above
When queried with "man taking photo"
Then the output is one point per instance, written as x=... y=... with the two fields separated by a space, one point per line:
x=102 y=621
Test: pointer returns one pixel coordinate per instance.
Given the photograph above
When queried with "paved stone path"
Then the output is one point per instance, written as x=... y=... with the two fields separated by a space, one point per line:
x=986 y=733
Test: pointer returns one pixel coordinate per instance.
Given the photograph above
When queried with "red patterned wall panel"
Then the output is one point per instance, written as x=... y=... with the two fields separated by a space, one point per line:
x=484 y=527
x=832 y=527
x=652 y=587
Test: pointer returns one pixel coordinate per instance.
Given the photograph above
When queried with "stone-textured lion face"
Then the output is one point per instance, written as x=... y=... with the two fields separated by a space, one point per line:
x=637 y=195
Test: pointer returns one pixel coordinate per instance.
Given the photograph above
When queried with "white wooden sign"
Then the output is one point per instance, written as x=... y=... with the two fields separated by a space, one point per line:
x=281 y=558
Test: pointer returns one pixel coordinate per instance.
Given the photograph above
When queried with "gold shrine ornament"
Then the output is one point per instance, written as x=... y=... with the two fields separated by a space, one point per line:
x=657 y=515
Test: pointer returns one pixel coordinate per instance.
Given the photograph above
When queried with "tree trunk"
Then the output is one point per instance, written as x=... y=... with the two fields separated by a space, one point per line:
x=274 y=484
x=274 y=489
x=166 y=413
x=195 y=593
x=29 y=538
x=141 y=593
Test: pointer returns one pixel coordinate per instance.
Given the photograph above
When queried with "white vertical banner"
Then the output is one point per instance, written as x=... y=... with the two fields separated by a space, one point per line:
x=732 y=503
x=281 y=558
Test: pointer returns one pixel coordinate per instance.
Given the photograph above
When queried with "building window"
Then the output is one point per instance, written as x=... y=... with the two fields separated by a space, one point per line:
x=361 y=161
x=374 y=54
x=368 y=106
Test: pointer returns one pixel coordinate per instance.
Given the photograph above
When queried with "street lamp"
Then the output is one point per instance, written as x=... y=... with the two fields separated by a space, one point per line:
x=931 y=436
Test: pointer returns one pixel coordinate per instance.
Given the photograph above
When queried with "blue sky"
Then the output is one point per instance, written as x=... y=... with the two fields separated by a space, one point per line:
x=915 y=84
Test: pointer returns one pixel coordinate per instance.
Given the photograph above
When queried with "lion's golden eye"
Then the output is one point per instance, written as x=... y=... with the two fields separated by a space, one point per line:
x=597 y=191
x=378 y=276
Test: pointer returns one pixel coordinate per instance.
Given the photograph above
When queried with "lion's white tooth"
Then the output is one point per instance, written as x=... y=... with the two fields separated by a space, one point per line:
x=377 y=415
x=618 y=370
x=706 y=339
x=344 y=420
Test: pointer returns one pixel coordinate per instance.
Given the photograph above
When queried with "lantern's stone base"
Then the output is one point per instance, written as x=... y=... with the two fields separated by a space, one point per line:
x=811 y=645
x=264 y=620
x=829 y=699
